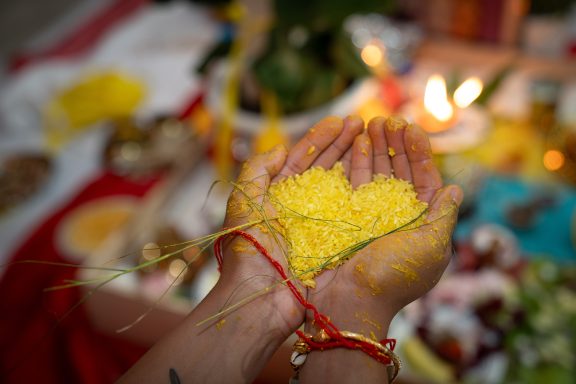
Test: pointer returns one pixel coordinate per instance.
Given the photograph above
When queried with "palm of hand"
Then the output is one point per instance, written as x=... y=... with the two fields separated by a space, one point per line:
x=250 y=211
x=248 y=205
x=406 y=263
x=396 y=269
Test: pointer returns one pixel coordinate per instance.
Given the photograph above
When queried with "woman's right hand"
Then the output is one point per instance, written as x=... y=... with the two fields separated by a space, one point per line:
x=365 y=293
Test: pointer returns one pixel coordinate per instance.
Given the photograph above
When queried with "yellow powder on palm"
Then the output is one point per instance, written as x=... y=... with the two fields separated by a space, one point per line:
x=323 y=218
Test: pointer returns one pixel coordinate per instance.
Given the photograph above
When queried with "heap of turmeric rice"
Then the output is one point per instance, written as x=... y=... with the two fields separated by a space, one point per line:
x=323 y=218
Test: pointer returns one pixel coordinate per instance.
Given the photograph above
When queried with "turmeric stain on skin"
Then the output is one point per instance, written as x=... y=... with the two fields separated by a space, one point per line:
x=247 y=251
x=365 y=318
x=391 y=152
x=240 y=247
x=271 y=226
x=329 y=127
x=246 y=170
x=410 y=274
x=414 y=262
x=395 y=124
x=366 y=279
x=220 y=324
x=375 y=287
x=420 y=146
x=263 y=228
x=311 y=150
x=252 y=190
x=239 y=208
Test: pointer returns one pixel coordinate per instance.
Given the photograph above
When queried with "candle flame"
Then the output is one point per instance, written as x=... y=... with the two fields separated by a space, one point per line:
x=436 y=99
x=467 y=92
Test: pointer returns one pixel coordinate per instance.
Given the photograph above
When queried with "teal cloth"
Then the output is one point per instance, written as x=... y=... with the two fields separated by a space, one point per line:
x=550 y=234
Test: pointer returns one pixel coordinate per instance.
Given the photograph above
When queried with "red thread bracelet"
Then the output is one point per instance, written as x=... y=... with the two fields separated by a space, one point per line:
x=321 y=320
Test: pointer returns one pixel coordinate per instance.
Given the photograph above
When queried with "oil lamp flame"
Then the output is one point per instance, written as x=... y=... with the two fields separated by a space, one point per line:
x=436 y=99
x=467 y=92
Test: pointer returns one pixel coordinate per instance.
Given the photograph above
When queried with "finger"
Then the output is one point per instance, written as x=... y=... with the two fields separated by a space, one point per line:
x=346 y=161
x=353 y=126
x=252 y=184
x=441 y=220
x=433 y=239
x=445 y=204
x=395 y=129
x=425 y=175
x=376 y=130
x=307 y=150
x=361 y=163
x=258 y=170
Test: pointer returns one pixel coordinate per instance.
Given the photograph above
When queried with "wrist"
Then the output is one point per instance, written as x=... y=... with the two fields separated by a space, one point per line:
x=251 y=327
x=359 y=343
x=262 y=296
x=369 y=316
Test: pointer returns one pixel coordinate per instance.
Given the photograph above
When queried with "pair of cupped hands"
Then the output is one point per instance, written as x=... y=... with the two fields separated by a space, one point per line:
x=252 y=311
x=365 y=293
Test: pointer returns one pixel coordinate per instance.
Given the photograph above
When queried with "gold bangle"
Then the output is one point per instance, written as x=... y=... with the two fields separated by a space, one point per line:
x=394 y=368
x=301 y=349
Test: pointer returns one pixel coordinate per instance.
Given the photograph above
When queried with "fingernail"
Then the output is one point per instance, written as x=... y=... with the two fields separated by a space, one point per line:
x=353 y=117
x=378 y=122
x=456 y=194
x=332 y=119
x=395 y=123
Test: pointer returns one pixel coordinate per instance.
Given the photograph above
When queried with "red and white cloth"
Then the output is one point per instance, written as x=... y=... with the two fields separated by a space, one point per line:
x=34 y=346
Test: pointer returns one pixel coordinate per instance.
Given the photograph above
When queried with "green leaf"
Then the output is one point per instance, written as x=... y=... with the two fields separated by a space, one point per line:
x=546 y=374
x=324 y=15
x=285 y=73
x=347 y=59
x=324 y=87
x=493 y=85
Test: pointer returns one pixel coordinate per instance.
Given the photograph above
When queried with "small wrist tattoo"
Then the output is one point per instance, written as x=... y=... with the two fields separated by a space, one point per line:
x=174 y=378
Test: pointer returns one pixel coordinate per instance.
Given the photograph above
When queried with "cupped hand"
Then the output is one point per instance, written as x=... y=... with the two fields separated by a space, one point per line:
x=365 y=293
x=250 y=273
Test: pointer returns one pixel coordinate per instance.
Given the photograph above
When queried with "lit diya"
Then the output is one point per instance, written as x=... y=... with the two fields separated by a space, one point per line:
x=453 y=124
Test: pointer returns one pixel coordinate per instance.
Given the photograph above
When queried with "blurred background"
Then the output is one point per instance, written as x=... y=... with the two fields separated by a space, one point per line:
x=117 y=116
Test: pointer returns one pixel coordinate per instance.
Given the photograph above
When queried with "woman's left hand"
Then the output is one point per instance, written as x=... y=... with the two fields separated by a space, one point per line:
x=248 y=272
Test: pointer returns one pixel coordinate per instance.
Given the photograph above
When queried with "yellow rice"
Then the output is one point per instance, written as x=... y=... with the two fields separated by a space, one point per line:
x=322 y=216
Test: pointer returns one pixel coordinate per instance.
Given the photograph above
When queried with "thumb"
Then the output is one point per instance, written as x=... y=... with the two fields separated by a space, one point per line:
x=441 y=220
x=258 y=170
x=445 y=204
x=253 y=183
